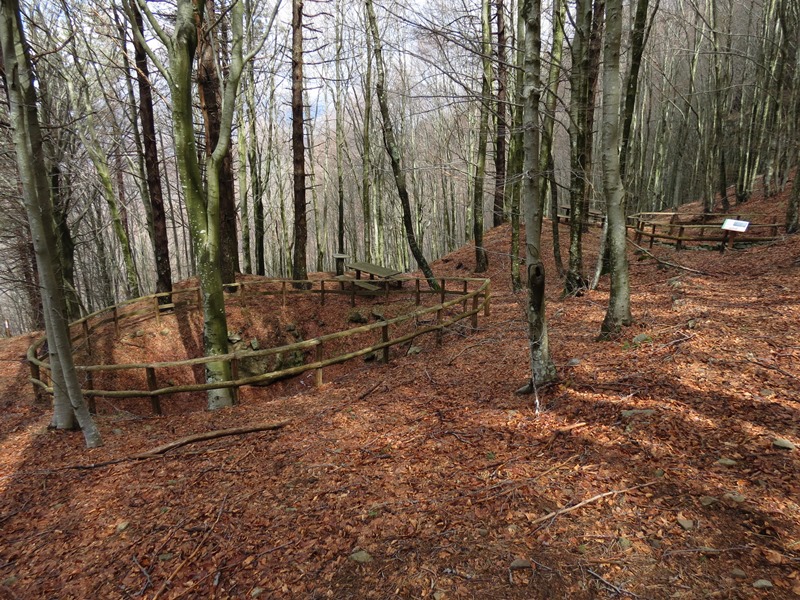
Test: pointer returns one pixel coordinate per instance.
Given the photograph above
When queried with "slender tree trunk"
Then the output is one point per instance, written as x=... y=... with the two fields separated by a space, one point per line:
x=299 y=268
x=481 y=257
x=515 y=157
x=619 y=302
x=498 y=217
x=160 y=237
x=542 y=368
x=24 y=119
x=210 y=89
x=393 y=151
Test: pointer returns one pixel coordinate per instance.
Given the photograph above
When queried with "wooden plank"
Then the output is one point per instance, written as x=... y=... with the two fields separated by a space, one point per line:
x=372 y=269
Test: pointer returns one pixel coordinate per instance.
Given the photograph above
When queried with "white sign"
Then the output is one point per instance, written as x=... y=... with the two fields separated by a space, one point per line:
x=734 y=225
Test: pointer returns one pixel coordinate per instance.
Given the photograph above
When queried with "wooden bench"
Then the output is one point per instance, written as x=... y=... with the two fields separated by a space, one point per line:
x=364 y=285
x=372 y=270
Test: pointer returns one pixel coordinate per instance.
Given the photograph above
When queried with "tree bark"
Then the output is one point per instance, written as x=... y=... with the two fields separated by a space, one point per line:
x=498 y=217
x=393 y=150
x=481 y=257
x=619 y=303
x=299 y=268
x=542 y=368
x=146 y=117
x=24 y=119
x=210 y=88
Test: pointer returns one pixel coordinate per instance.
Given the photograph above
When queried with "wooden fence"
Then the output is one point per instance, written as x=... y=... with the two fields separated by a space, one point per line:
x=684 y=229
x=472 y=302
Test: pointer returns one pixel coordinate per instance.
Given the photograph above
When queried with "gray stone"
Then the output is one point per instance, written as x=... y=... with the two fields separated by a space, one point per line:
x=687 y=524
x=412 y=350
x=573 y=362
x=520 y=564
x=257 y=591
x=766 y=393
x=377 y=314
x=234 y=338
x=357 y=317
x=737 y=573
x=361 y=557
x=116 y=431
x=763 y=584
x=625 y=543
x=255 y=346
x=642 y=338
x=708 y=500
x=726 y=462
x=783 y=444
x=438 y=595
x=734 y=497
x=638 y=412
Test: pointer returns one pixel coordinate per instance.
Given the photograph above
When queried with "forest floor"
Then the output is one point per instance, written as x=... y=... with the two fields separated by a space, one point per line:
x=429 y=477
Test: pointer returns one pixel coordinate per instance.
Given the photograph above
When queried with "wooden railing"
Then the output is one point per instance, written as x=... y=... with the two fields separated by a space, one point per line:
x=684 y=229
x=472 y=301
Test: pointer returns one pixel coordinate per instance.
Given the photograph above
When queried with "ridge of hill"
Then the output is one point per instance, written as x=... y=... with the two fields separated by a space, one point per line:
x=429 y=477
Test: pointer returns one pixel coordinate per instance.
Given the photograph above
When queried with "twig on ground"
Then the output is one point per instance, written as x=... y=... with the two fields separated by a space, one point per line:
x=148 y=581
x=557 y=513
x=772 y=367
x=190 y=439
x=619 y=590
x=177 y=570
x=661 y=261
x=366 y=393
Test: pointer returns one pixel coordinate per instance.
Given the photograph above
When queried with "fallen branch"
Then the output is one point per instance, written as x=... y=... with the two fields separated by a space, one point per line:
x=366 y=393
x=772 y=367
x=619 y=590
x=557 y=513
x=184 y=441
x=174 y=573
x=666 y=263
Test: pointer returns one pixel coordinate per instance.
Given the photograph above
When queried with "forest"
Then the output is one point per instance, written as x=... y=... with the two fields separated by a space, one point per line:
x=580 y=214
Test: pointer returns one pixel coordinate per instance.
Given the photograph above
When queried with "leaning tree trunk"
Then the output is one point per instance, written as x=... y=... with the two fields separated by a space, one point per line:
x=542 y=368
x=619 y=302
x=393 y=150
x=24 y=120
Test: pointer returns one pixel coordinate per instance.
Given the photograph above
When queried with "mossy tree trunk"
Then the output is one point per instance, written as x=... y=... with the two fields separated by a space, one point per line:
x=24 y=120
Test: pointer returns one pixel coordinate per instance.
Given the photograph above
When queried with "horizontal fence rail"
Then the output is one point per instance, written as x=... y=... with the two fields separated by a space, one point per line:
x=684 y=229
x=472 y=302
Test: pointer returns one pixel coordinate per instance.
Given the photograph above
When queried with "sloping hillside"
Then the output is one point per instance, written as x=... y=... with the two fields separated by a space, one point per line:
x=652 y=472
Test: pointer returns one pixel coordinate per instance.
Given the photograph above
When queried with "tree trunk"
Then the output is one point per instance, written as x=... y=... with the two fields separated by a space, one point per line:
x=501 y=128
x=619 y=302
x=24 y=120
x=542 y=368
x=210 y=89
x=160 y=238
x=299 y=268
x=481 y=257
x=393 y=150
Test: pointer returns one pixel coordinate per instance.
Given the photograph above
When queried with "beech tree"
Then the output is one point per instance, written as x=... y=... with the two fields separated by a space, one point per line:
x=542 y=368
x=19 y=83
x=203 y=202
x=619 y=301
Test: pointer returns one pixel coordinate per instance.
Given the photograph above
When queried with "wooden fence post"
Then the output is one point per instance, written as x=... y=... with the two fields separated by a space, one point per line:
x=444 y=289
x=322 y=292
x=385 y=339
x=487 y=299
x=417 y=292
x=90 y=397
x=116 y=321
x=653 y=235
x=38 y=393
x=152 y=385
x=679 y=241
x=318 y=373
x=85 y=325
x=464 y=307
x=235 y=376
